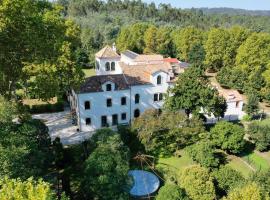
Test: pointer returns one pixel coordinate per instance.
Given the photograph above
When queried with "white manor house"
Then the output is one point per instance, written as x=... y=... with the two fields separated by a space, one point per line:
x=128 y=84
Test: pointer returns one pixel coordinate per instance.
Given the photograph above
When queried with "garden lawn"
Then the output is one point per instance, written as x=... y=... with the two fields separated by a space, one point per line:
x=89 y=72
x=239 y=165
x=175 y=163
x=257 y=161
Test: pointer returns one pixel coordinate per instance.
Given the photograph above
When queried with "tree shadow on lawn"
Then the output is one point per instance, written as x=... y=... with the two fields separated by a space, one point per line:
x=247 y=150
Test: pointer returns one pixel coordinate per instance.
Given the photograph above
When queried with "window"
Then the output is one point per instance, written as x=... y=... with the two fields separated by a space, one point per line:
x=107 y=66
x=104 y=121
x=87 y=105
x=97 y=65
x=137 y=98
x=155 y=97
x=237 y=104
x=114 y=119
x=108 y=87
x=136 y=113
x=158 y=80
x=160 y=97
x=88 y=121
x=124 y=116
x=123 y=101
x=109 y=102
x=113 y=66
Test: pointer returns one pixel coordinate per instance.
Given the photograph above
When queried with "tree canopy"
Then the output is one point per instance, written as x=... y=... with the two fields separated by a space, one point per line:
x=228 y=136
x=164 y=133
x=171 y=192
x=197 y=182
x=193 y=93
x=34 y=39
x=108 y=163
x=15 y=189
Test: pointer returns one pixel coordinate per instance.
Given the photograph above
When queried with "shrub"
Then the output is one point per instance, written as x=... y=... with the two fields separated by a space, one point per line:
x=249 y=191
x=247 y=118
x=46 y=108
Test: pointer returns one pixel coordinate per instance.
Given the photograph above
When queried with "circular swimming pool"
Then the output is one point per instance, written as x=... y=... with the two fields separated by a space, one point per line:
x=144 y=183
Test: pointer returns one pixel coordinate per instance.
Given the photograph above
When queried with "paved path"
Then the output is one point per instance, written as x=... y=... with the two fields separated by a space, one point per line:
x=60 y=125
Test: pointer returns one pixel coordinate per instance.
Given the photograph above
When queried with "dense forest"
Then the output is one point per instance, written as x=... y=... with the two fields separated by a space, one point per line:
x=101 y=21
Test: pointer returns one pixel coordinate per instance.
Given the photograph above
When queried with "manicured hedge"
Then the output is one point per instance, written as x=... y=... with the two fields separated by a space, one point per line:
x=46 y=108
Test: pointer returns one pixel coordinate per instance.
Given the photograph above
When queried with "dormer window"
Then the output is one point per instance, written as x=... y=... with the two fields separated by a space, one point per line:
x=113 y=66
x=107 y=66
x=108 y=87
x=158 y=80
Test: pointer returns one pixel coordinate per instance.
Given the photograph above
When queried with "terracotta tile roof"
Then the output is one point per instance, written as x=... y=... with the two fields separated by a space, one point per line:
x=171 y=60
x=94 y=83
x=107 y=52
x=229 y=94
x=140 y=74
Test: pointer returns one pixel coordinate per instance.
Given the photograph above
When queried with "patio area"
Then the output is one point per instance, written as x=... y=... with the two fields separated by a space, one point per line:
x=60 y=125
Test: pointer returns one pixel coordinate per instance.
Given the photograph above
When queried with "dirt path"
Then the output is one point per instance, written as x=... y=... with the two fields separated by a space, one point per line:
x=242 y=160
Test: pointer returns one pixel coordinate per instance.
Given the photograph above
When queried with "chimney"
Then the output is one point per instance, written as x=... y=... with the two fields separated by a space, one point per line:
x=114 y=47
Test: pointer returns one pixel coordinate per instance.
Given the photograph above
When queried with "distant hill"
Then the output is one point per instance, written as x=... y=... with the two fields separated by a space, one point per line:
x=233 y=11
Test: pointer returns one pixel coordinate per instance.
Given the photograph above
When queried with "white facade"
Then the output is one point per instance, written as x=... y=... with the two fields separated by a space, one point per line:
x=106 y=66
x=112 y=97
x=99 y=108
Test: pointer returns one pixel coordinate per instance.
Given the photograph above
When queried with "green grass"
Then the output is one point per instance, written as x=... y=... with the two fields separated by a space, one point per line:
x=175 y=163
x=238 y=165
x=264 y=122
x=257 y=161
x=89 y=72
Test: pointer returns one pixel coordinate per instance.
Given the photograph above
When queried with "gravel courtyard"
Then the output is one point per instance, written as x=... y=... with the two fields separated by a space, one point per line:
x=60 y=125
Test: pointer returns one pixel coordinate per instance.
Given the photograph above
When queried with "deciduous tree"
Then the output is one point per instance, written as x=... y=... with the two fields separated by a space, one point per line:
x=15 y=189
x=185 y=39
x=164 y=133
x=228 y=179
x=250 y=191
x=171 y=192
x=106 y=171
x=204 y=154
x=215 y=47
x=193 y=93
x=228 y=136
x=197 y=182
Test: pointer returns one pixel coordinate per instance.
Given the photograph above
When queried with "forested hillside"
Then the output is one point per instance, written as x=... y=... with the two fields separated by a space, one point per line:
x=233 y=11
x=101 y=22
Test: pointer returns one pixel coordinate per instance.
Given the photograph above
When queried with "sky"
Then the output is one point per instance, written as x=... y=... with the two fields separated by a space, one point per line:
x=243 y=4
